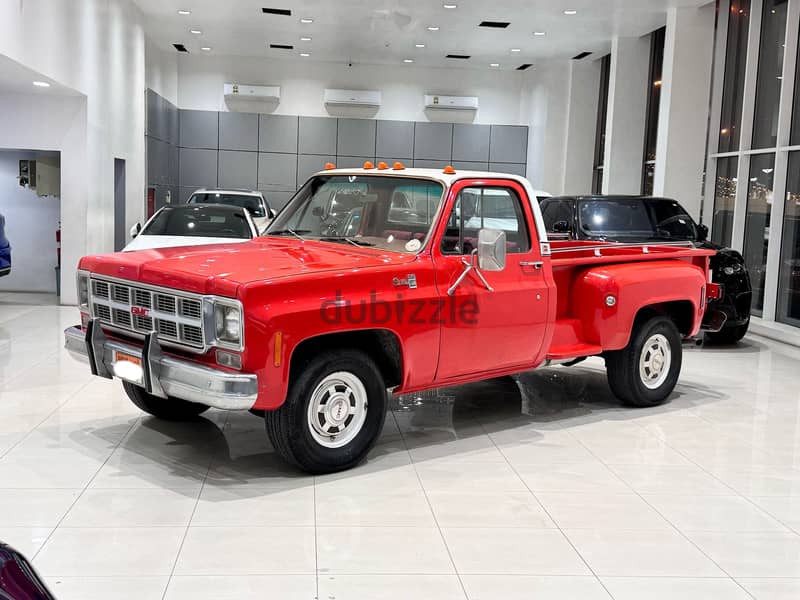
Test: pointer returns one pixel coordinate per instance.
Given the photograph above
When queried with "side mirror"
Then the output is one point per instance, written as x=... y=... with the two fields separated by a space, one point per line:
x=702 y=233
x=136 y=230
x=561 y=227
x=491 y=250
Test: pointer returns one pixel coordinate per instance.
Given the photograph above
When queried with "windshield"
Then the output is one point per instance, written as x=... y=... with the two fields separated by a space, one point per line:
x=392 y=213
x=251 y=203
x=635 y=218
x=199 y=221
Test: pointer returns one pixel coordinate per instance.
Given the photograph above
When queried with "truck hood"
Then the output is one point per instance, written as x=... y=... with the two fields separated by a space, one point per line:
x=222 y=268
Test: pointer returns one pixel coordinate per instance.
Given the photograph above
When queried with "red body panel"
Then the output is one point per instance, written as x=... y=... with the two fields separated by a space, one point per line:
x=541 y=307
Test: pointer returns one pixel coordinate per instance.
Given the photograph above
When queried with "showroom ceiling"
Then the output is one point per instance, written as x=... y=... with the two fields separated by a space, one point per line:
x=394 y=31
x=17 y=78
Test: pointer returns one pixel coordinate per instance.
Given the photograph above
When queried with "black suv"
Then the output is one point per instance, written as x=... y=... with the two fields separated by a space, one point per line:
x=635 y=219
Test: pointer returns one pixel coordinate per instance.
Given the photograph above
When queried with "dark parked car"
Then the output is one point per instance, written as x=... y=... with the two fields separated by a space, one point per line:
x=635 y=219
x=5 y=249
x=18 y=579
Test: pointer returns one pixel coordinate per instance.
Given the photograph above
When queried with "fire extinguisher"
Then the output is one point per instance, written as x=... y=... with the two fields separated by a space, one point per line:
x=58 y=243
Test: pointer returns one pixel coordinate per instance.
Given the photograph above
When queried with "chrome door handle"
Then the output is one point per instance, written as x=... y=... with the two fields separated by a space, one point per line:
x=538 y=264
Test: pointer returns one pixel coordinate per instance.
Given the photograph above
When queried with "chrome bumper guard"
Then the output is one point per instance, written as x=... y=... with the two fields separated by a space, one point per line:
x=163 y=375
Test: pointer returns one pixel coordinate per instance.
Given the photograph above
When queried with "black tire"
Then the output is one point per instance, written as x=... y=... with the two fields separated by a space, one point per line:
x=729 y=335
x=623 y=366
x=168 y=409
x=289 y=428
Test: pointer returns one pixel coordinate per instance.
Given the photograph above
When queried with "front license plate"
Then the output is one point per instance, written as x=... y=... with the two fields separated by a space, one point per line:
x=128 y=367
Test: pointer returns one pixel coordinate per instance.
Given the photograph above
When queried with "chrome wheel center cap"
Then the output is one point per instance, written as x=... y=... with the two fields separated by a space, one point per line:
x=337 y=409
x=658 y=362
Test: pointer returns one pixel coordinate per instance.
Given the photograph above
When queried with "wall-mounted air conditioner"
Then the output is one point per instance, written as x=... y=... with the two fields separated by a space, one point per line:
x=263 y=93
x=352 y=97
x=452 y=102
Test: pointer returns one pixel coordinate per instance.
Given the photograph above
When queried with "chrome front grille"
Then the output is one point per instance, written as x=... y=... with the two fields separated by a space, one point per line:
x=176 y=318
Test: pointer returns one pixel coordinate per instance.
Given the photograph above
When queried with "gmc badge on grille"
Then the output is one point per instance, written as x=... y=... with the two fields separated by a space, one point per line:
x=139 y=311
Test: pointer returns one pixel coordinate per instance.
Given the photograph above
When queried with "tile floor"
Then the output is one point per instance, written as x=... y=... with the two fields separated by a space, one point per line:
x=540 y=487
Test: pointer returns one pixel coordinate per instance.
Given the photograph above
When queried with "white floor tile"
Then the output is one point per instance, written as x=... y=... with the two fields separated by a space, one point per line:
x=772 y=589
x=242 y=587
x=256 y=506
x=132 y=508
x=785 y=509
x=488 y=509
x=670 y=588
x=601 y=511
x=34 y=508
x=104 y=588
x=27 y=540
x=513 y=552
x=464 y=475
x=388 y=508
x=578 y=478
x=390 y=587
x=247 y=551
x=752 y=554
x=529 y=587
x=641 y=553
x=666 y=479
x=713 y=513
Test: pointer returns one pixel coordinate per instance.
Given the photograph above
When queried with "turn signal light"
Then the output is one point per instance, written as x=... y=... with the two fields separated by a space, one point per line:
x=382 y=166
x=329 y=166
x=369 y=165
x=398 y=166
x=449 y=170
x=277 y=350
x=229 y=359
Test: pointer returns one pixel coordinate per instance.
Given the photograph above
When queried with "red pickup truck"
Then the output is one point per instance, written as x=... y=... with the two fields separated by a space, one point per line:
x=381 y=279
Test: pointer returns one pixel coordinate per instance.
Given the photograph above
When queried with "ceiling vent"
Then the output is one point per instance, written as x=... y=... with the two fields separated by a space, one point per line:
x=581 y=55
x=352 y=97
x=524 y=67
x=180 y=48
x=284 y=12
x=494 y=24
x=459 y=56
x=263 y=93
x=451 y=102
x=281 y=46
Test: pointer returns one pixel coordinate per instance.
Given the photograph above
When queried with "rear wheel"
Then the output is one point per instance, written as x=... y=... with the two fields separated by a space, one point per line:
x=645 y=372
x=333 y=413
x=169 y=409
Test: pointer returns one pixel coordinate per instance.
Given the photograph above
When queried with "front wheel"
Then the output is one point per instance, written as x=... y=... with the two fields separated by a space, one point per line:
x=169 y=409
x=333 y=413
x=645 y=372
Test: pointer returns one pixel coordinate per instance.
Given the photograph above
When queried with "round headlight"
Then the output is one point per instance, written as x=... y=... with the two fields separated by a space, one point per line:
x=729 y=270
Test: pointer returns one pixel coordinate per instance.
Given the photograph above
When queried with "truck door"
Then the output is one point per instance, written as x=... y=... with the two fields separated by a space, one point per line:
x=484 y=330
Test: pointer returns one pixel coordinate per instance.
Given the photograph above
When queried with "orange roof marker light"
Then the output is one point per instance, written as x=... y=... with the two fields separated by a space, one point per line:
x=398 y=166
x=449 y=170
x=329 y=166
x=369 y=165
x=382 y=166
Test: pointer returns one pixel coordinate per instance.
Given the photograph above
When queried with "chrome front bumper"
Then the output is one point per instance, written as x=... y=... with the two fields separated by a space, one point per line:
x=163 y=375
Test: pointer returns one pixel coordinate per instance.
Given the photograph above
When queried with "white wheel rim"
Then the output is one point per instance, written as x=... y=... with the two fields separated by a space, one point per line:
x=655 y=361
x=337 y=410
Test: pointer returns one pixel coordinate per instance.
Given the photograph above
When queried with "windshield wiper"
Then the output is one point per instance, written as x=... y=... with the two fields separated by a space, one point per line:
x=342 y=238
x=295 y=232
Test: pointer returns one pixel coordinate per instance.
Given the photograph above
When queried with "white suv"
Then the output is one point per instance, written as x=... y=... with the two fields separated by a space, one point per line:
x=254 y=202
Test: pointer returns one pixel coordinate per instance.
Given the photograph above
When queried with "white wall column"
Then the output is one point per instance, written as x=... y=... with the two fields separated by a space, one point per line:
x=627 y=105
x=683 y=114
x=584 y=82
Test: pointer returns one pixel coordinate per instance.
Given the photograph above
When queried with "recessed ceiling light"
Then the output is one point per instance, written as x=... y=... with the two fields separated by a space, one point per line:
x=433 y=28
x=408 y=60
x=306 y=20
x=305 y=39
x=539 y=33
x=516 y=50
x=570 y=12
x=206 y=48
x=196 y=31
x=41 y=84
x=184 y=12
x=419 y=45
x=449 y=5
x=304 y=54
x=494 y=65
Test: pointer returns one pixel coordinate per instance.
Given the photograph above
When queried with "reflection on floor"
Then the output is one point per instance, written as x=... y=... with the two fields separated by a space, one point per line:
x=540 y=486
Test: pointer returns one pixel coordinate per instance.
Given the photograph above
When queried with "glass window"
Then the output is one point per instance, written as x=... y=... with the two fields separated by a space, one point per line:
x=490 y=208
x=756 y=227
x=733 y=86
x=653 y=104
x=770 y=74
x=200 y=221
x=391 y=213
x=555 y=210
x=600 y=135
x=624 y=218
x=789 y=287
x=248 y=201
x=724 y=200
x=795 y=136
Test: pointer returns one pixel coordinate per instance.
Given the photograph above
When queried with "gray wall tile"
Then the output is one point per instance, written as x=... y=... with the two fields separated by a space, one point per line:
x=157 y=161
x=238 y=131
x=465 y=165
x=173 y=153
x=199 y=129
x=317 y=135
x=508 y=144
x=277 y=133
x=356 y=137
x=277 y=200
x=352 y=162
x=198 y=167
x=173 y=124
x=308 y=164
x=238 y=169
x=427 y=163
x=395 y=138
x=433 y=141
x=471 y=142
x=153 y=112
x=513 y=168
x=277 y=172
x=184 y=194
